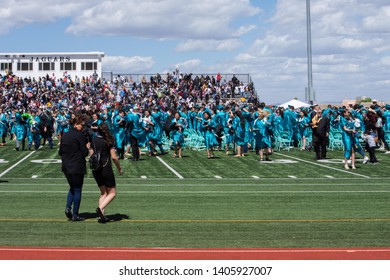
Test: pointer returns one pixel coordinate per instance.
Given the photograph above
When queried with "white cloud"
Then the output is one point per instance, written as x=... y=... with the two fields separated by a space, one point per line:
x=187 y=66
x=385 y=61
x=135 y=64
x=194 y=19
x=350 y=44
x=379 y=22
x=208 y=45
x=20 y=13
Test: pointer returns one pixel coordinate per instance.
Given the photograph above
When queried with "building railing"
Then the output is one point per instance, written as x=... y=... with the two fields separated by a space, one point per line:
x=137 y=78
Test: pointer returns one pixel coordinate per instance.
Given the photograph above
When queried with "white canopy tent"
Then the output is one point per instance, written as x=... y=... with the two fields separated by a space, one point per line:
x=296 y=103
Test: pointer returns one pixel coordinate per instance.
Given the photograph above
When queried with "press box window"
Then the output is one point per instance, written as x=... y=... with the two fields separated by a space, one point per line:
x=25 y=66
x=68 y=66
x=6 y=66
x=88 y=66
x=46 y=66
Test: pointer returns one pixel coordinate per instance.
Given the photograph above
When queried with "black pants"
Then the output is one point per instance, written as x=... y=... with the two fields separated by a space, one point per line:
x=371 y=152
x=381 y=137
x=134 y=147
x=319 y=143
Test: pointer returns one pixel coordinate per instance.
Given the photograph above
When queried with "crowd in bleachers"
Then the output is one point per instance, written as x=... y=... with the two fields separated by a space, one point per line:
x=176 y=112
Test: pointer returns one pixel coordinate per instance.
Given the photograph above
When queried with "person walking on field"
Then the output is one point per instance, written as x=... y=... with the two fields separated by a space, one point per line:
x=104 y=176
x=73 y=150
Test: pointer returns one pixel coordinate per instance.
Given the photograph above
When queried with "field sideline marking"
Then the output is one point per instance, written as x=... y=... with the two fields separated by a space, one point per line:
x=170 y=168
x=186 y=221
x=193 y=250
x=325 y=166
x=16 y=164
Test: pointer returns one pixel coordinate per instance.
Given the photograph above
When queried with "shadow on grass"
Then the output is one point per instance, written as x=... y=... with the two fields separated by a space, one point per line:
x=112 y=218
x=118 y=217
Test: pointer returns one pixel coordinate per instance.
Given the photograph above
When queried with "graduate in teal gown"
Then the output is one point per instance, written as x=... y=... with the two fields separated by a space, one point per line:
x=95 y=122
x=158 y=132
x=208 y=129
x=290 y=123
x=62 y=122
x=386 y=116
x=178 y=126
x=119 y=129
x=303 y=125
x=241 y=132
x=20 y=129
x=3 y=126
x=220 y=119
x=347 y=125
x=34 y=131
x=136 y=132
x=261 y=128
x=228 y=131
x=148 y=124
x=199 y=116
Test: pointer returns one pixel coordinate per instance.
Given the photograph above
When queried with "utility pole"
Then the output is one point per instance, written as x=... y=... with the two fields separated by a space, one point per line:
x=310 y=93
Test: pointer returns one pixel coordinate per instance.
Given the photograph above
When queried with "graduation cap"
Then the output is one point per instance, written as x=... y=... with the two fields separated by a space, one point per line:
x=387 y=106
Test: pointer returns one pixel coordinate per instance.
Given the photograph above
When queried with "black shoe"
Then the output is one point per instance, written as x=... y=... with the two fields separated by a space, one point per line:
x=77 y=219
x=103 y=221
x=68 y=213
x=100 y=213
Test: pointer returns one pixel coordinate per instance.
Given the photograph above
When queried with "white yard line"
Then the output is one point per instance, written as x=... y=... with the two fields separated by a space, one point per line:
x=206 y=192
x=170 y=168
x=16 y=164
x=324 y=166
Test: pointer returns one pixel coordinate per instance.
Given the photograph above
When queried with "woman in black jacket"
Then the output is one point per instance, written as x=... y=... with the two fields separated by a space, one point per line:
x=103 y=142
x=73 y=150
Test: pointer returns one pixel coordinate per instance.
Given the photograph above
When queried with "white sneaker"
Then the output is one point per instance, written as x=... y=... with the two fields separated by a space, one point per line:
x=388 y=152
x=365 y=160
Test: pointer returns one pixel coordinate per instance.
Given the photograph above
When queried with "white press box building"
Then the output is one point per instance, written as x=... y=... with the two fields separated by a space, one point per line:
x=35 y=65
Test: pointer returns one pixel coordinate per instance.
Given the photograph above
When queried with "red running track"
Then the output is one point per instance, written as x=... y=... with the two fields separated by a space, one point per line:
x=53 y=253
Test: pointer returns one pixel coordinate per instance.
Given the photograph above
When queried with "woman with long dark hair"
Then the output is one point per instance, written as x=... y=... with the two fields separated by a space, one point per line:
x=103 y=142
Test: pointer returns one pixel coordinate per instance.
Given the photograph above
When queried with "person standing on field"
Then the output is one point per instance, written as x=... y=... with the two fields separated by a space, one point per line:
x=73 y=150
x=104 y=176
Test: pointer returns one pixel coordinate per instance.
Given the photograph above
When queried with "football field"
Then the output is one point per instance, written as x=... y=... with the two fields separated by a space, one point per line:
x=194 y=202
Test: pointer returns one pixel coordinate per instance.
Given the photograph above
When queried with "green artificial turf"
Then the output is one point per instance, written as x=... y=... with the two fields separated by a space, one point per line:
x=225 y=202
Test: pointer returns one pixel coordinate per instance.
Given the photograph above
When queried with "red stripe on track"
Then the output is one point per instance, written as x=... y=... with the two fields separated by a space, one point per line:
x=51 y=253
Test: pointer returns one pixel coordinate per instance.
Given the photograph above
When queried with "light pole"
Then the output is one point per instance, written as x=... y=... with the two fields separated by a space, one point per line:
x=310 y=93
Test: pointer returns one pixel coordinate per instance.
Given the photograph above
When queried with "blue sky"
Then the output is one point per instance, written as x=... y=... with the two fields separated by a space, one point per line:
x=266 y=38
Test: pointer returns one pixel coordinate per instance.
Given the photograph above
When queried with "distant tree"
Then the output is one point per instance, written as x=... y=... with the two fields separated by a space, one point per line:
x=367 y=99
